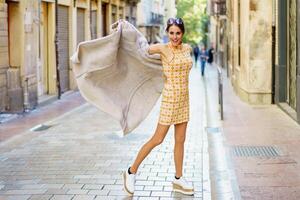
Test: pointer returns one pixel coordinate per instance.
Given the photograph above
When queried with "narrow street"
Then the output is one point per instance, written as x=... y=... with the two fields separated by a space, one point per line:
x=79 y=153
x=56 y=146
x=81 y=156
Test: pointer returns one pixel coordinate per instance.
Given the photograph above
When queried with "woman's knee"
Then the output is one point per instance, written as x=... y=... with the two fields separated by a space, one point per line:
x=156 y=141
x=180 y=139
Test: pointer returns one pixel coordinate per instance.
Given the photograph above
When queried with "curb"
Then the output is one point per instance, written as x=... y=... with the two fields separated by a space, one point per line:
x=224 y=183
x=206 y=186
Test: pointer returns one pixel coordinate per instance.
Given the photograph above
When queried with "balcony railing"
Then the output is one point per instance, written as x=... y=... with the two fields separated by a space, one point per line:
x=156 y=19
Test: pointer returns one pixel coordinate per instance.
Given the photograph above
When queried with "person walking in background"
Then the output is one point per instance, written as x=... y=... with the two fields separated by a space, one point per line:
x=210 y=55
x=196 y=53
x=203 y=59
x=177 y=63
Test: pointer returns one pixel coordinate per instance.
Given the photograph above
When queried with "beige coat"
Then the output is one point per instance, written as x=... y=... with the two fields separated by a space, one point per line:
x=116 y=74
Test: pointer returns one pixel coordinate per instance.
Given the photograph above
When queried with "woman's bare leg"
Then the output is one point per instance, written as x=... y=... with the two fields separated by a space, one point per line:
x=156 y=139
x=180 y=132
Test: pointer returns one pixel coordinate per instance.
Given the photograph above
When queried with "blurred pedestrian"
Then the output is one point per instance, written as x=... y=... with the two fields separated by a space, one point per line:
x=196 y=53
x=210 y=55
x=177 y=63
x=203 y=59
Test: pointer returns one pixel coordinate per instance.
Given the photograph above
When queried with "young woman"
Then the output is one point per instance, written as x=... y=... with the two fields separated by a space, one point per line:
x=177 y=62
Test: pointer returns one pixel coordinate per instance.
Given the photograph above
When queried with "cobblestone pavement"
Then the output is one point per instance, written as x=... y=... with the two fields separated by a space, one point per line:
x=81 y=157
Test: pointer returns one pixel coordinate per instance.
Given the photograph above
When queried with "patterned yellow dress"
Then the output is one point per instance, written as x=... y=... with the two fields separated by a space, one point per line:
x=175 y=95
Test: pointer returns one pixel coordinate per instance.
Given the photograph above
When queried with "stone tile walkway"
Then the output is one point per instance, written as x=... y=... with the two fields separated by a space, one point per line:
x=81 y=156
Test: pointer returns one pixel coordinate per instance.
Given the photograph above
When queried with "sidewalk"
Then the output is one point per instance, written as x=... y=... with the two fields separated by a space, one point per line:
x=81 y=157
x=263 y=145
x=35 y=117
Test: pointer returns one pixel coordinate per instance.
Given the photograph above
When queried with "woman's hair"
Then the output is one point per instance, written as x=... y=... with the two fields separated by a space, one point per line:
x=177 y=22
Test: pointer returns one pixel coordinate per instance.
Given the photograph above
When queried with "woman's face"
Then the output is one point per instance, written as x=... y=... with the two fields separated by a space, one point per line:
x=175 y=35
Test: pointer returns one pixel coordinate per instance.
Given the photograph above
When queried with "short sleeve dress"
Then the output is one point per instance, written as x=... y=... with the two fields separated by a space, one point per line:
x=175 y=95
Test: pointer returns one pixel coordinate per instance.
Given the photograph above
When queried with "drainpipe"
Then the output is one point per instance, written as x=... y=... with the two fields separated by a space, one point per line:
x=56 y=51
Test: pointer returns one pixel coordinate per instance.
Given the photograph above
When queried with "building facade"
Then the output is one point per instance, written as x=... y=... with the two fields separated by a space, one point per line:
x=131 y=11
x=30 y=71
x=152 y=17
x=250 y=47
x=216 y=9
x=170 y=11
x=263 y=56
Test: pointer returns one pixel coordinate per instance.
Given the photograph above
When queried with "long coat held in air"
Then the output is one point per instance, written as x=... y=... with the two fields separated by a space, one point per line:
x=116 y=74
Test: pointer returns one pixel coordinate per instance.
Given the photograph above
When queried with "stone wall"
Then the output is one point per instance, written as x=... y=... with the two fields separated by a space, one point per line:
x=250 y=49
x=260 y=53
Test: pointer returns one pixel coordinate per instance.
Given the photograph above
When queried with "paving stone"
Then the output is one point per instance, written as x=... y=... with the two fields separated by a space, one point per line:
x=41 y=197
x=102 y=176
x=98 y=192
x=149 y=198
x=93 y=187
x=113 y=187
x=164 y=174
x=119 y=193
x=83 y=176
x=73 y=186
x=77 y=191
x=144 y=182
x=153 y=188
x=139 y=187
x=159 y=170
x=162 y=183
x=62 y=197
x=53 y=186
x=156 y=178
x=14 y=197
x=16 y=192
x=88 y=181
x=161 y=194
x=105 y=181
x=84 y=197
x=105 y=198
x=57 y=191
x=168 y=188
x=142 y=193
x=35 y=186
x=142 y=177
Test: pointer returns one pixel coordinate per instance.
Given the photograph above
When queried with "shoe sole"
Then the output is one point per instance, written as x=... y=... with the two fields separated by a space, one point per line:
x=125 y=188
x=180 y=189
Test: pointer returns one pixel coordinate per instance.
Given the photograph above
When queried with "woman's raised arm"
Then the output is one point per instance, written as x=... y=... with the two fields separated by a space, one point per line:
x=155 y=48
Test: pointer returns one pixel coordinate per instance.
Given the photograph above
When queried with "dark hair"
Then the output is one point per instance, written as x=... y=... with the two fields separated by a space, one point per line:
x=177 y=22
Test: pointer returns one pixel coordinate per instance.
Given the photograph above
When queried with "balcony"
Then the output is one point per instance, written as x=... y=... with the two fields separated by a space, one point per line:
x=156 y=19
x=132 y=1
